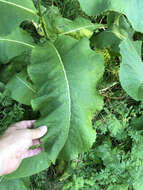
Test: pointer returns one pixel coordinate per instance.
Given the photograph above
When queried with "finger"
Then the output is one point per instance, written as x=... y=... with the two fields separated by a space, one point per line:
x=38 y=132
x=24 y=124
x=31 y=153
x=36 y=142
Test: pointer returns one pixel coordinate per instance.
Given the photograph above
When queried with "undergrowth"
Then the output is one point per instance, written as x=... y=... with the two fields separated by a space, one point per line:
x=10 y=112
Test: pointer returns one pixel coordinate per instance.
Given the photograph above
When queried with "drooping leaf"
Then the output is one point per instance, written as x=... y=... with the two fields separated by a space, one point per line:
x=14 y=45
x=118 y=30
x=131 y=8
x=67 y=97
x=13 y=12
x=78 y=28
x=106 y=39
x=30 y=166
x=131 y=70
x=20 y=89
x=16 y=65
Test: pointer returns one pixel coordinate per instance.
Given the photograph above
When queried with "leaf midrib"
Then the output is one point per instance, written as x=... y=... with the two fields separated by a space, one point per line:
x=83 y=27
x=15 y=41
x=77 y=29
x=19 y=6
x=68 y=86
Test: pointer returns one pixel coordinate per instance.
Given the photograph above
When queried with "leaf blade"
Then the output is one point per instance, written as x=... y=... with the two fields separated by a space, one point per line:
x=52 y=99
x=24 y=91
x=131 y=70
x=18 y=11
x=14 y=45
x=51 y=62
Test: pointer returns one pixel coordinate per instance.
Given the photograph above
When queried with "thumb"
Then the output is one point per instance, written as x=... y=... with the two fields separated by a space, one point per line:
x=38 y=132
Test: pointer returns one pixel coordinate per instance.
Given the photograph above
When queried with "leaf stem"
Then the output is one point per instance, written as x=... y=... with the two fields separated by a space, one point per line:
x=108 y=88
x=42 y=20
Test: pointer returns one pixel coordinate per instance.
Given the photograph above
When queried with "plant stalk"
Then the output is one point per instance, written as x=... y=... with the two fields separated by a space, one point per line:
x=42 y=21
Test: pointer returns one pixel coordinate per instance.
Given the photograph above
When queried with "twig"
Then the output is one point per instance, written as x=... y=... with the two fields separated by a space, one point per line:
x=108 y=88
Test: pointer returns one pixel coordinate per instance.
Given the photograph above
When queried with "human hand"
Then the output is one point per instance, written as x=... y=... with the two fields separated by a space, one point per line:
x=15 y=144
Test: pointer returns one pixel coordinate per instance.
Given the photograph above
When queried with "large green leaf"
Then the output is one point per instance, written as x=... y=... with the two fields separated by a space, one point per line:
x=14 y=45
x=20 y=89
x=13 y=12
x=131 y=71
x=131 y=8
x=83 y=71
x=66 y=77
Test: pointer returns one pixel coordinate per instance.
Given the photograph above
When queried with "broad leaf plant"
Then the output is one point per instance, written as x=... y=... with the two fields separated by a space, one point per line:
x=58 y=74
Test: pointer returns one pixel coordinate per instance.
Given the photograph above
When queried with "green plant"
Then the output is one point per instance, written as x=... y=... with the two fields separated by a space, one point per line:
x=58 y=73
x=115 y=160
x=8 y=115
x=50 y=78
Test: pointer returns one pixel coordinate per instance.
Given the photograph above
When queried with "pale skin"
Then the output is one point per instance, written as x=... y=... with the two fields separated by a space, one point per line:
x=15 y=144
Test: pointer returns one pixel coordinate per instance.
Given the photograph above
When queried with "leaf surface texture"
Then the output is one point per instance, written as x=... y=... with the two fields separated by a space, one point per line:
x=131 y=70
x=13 y=12
x=67 y=98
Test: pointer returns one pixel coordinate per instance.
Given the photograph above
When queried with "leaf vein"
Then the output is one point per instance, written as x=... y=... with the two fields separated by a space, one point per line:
x=77 y=29
x=13 y=4
x=25 y=84
x=19 y=42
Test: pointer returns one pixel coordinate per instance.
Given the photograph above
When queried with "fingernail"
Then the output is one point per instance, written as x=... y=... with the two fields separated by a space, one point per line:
x=33 y=122
x=43 y=129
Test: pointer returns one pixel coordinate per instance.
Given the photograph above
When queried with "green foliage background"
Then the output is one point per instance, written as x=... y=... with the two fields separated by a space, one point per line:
x=115 y=160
